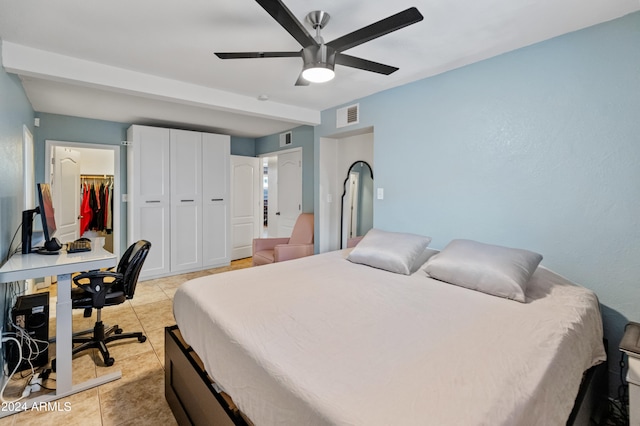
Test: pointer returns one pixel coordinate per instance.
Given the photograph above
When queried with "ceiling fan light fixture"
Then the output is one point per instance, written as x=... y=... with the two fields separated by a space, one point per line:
x=318 y=63
x=318 y=73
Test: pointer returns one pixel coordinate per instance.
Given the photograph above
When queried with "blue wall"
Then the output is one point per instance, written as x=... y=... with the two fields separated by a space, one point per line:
x=243 y=146
x=15 y=111
x=300 y=137
x=538 y=148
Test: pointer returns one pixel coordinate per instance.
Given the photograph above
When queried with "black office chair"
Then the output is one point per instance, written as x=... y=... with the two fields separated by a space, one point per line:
x=97 y=289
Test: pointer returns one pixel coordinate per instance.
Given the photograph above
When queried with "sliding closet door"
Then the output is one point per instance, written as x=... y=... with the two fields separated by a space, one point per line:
x=186 y=200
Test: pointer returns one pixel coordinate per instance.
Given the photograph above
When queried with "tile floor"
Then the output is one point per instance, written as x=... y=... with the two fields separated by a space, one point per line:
x=138 y=397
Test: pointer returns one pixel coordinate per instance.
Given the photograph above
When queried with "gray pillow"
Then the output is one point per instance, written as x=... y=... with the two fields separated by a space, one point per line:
x=496 y=270
x=392 y=251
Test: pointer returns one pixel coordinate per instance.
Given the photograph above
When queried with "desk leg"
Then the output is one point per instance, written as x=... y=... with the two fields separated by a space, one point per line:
x=64 y=331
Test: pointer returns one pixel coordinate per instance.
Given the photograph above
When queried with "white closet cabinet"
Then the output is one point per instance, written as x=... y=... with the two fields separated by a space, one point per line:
x=186 y=200
x=197 y=235
x=216 y=187
x=148 y=188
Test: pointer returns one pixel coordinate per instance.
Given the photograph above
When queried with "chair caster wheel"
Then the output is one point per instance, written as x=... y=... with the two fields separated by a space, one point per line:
x=142 y=339
x=118 y=330
x=109 y=362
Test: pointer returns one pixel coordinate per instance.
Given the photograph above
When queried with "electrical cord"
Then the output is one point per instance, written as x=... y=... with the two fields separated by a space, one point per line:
x=35 y=381
x=5 y=339
x=35 y=348
x=9 y=254
x=25 y=343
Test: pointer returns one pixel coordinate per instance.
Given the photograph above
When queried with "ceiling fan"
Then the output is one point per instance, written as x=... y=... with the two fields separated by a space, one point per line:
x=319 y=58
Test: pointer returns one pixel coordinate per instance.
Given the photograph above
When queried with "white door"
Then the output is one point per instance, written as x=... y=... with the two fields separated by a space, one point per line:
x=65 y=189
x=216 y=242
x=289 y=191
x=186 y=200
x=246 y=206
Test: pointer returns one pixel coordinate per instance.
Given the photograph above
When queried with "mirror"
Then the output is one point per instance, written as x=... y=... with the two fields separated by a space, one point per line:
x=357 y=202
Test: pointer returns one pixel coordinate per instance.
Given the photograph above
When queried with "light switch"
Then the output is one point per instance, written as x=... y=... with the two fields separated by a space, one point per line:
x=380 y=193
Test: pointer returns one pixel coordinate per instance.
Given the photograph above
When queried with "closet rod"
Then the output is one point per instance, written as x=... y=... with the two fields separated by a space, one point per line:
x=96 y=176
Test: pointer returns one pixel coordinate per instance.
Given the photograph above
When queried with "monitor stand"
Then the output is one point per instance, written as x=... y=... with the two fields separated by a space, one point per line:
x=52 y=246
x=27 y=229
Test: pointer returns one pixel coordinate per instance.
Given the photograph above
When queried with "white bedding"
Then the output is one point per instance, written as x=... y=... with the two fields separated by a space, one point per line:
x=320 y=340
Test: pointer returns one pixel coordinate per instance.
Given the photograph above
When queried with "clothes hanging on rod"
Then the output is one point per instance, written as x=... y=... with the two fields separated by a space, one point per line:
x=96 y=207
x=86 y=212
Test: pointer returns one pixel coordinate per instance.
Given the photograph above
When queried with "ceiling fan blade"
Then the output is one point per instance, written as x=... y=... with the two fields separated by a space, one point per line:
x=283 y=15
x=301 y=81
x=251 y=55
x=377 y=29
x=363 y=64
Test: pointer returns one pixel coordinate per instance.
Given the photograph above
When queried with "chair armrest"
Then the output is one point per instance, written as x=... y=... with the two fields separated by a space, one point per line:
x=97 y=285
x=291 y=251
x=260 y=244
x=97 y=274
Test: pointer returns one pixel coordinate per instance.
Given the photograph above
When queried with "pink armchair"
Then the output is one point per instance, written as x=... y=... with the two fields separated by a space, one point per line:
x=271 y=250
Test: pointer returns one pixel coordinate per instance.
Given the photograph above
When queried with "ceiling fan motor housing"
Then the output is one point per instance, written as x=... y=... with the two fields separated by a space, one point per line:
x=321 y=56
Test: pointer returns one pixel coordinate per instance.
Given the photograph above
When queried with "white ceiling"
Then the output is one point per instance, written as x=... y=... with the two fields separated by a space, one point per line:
x=152 y=61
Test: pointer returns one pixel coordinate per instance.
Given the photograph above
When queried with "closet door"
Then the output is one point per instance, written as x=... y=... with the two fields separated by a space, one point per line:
x=186 y=200
x=149 y=200
x=215 y=203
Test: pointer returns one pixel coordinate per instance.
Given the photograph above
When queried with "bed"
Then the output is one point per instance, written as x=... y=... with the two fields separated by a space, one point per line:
x=326 y=341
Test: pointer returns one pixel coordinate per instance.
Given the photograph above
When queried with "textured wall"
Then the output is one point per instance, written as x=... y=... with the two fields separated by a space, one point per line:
x=538 y=148
x=15 y=111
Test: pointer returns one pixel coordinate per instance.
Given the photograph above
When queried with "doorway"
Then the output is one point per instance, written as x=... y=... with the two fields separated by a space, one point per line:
x=282 y=191
x=337 y=154
x=100 y=167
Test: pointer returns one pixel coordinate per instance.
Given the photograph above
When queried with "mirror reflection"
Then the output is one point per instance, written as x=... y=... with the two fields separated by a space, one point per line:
x=357 y=202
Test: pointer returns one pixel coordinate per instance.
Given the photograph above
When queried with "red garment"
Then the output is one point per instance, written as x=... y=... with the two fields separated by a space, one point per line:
x=86 y=213
x=106 y=205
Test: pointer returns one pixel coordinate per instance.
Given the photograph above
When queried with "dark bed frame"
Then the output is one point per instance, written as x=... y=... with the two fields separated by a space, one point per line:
x=194 y=399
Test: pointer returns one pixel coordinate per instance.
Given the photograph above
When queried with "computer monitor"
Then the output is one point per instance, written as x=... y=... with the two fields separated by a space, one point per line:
x=51 y=244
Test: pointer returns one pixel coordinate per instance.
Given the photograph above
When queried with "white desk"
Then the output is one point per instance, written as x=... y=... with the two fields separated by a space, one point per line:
x=26 y=266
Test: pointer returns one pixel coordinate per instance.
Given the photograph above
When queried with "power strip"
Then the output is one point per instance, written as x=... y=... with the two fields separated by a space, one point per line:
x=35 y=384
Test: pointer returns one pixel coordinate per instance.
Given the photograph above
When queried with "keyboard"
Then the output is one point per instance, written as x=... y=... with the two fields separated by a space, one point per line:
x=78 y=246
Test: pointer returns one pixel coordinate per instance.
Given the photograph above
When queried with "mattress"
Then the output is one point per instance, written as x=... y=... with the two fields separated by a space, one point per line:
x=320 y=340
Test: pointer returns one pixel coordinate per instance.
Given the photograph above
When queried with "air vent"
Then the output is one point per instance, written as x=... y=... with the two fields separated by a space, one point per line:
x=348 y=115
x=285 y=139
